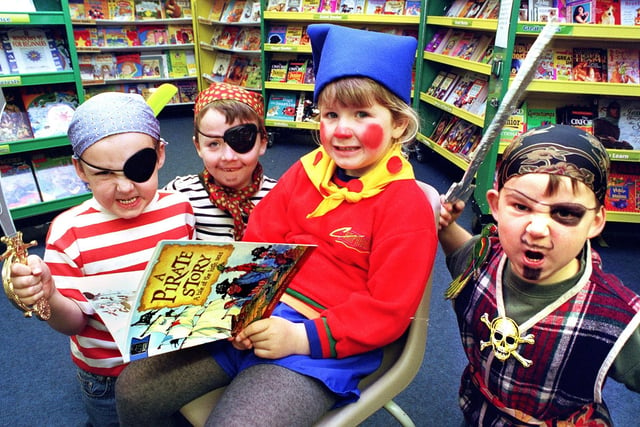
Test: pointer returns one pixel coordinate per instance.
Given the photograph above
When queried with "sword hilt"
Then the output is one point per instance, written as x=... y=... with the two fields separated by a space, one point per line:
x=17 y=252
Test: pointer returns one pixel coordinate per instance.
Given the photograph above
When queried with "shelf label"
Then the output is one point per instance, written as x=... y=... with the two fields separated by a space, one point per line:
x=331 y=17
x=5 y=149
x=15 y=18
x=462 y=22
x=10 y=81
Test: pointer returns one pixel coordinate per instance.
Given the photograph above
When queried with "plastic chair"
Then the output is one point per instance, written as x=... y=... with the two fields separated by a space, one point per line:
x=401 y=362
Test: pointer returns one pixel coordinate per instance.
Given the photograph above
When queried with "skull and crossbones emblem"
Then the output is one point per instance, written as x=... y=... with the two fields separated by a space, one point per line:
x=505 y=338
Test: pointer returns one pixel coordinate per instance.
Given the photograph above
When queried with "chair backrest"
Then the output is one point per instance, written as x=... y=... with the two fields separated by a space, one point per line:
x=402 y=358
x=401 y=363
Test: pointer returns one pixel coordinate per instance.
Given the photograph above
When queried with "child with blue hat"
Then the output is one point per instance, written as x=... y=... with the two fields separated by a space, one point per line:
x=361 y=285
x=117 y=149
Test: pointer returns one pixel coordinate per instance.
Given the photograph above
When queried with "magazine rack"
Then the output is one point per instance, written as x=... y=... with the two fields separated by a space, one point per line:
x=401 y=363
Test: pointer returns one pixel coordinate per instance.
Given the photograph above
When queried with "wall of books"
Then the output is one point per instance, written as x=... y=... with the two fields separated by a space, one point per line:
x=588 y=78
x=135 y=46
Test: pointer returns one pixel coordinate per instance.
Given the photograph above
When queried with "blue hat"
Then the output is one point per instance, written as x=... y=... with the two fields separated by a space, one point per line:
x=346 y=52
x=107 y=114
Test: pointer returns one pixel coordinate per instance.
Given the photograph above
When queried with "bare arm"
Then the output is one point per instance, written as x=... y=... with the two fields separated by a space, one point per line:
x=450 y=234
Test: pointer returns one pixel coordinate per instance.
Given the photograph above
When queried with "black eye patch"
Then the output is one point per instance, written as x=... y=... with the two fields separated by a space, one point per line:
x=241 y=138
x=138 y=168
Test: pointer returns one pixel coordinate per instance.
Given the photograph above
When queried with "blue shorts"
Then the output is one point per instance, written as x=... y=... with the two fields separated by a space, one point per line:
x=341 y=376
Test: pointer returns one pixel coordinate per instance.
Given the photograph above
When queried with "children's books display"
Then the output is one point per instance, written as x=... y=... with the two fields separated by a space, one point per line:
x=192 y=293
x=50 y=111
x=282 y=106
x=56 y=176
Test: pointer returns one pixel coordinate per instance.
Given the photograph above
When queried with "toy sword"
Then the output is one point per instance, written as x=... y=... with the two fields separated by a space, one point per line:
x=17 y=252
x=462 y=190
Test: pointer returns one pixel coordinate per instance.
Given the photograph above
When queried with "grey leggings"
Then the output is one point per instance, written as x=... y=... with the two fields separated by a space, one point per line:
x=151 y=392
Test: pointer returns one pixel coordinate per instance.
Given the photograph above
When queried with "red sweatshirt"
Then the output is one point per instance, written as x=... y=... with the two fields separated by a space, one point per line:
x=369 y=271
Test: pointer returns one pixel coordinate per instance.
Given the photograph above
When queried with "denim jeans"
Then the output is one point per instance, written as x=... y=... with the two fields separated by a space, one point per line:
x=99 y=398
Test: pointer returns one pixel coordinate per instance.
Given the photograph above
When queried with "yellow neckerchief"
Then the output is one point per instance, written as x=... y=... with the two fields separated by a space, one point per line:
x=320 y=168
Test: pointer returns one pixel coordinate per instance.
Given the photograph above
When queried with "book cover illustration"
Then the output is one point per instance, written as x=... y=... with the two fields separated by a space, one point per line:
x=177 y=9
x=193 y=292
x=50 y=112
x=18 y=183
x=278 y=71
x=77 y=10
x=580 y=12
x=237 y=70
x=311 y=6
x=178 y=63
x=180 y=34
x=607 y=12
x=630 y=12
x=59 y=50
x=374 y=7
x=233 y=11
x=622 y=193
x=412 y=7
x=152 y=65
x=277 y=34
x=435 y=41
x=228 y=37
x=148 y=9
x=217 y=6
x=276 y=5
x=220 y=66
x=623 y=65
x=618 y=122
x=31 y=50
x=545 y=69
x=520 y=50
x=296 y=71
x=293 y=34
x=281 y=106
x=251 y=13
x=128 y=66
x=589 y=64
x=293 y=6
x=187 y=90
x=14 y=120
x=248 y=39
x=122 y=10
x=563 y=63
x=253 y=77
x=96 y=9
x=57 y=177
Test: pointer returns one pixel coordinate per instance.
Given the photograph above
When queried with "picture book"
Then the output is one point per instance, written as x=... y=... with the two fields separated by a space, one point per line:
x=293 y=6
x=630 y=12
x=446 y=47
x=56 y=176
x=443 y=128
x=14 y=120
x=96 y=9
x=520 y=49
x=86 y=66
x=296 y=71
x=59 y=49
x=18 y=183
x=469 y=148
x=580 y=12
x=220 y=66
x=350 y=6
x=545 y=69
x=76 y=10
x=467 y=45
x=484 y=44
x=49 y=110
x=278 y=71
x=607 y=12
x=460 y=88
x=458 y=136
x=438 y=37
x=152 y=65
x=311 y=6
x=153 y=35
x=412 y=7
x=579 y=116
x=237 y=69
x=128 y=66
x=446 y=85
x=624 y=115
x=374 y=7
x=537 y=7
x=217 y=6
x=563 y=63
x=187 y=90
x=440 y=126
x=293 y=34
x=276 y=5
x=436 y=83
x=537 y=117
x=515 y=124
x=281 y=106
x=455 y=8
x=178 y=64
x=248 y=39
x=148 y=9
x=115 y=37
x=623 y=193
x=471 y=8
x=191 y=293
x=623 y=65
x=589 y=64
x=490 y=10
x=233 y=11
x=309 y=75
x=393 y=7
x=276 y=34
x=122 y=10
x=253 y=78
x=228 y=37
x=31 y=50
x=180 y=34
x=177 y=9
x=478 y=85
x=251 y=13
x=104 y=66
x=192 y=69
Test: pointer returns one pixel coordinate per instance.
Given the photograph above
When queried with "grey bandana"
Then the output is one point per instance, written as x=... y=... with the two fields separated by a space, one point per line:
x=110 y=113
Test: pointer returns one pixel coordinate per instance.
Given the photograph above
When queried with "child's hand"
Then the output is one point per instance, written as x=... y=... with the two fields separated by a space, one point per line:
x=32 y=281
x=449 y=212
x=273 y=338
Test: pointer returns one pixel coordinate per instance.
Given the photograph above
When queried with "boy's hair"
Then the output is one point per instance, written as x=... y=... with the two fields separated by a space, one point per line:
x=364 y=92
x=110 y=113
x=557 y=150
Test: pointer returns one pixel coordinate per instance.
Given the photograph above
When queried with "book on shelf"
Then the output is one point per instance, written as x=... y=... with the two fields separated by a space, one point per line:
x=282 y=106
x=437 y=80
x=483 y=48
x=50 y=110
x=278 y=70
x=28 y=51
x=86 y=67
x=56 y=176
x=122 y=10
x=248 y=39
x=452 y=39
x=460 y=88
x=96 y=9
x=276 y=5
x=623 y=117
x=237 y=69
x=374 y=7
x=469 y=148
x=563 y=63
x=88 y=37
x=589 y=64
x=180 y=34
x=191 y=293
x=623 y=193
x=128 y=66
x=187 y=90
x=277 y=34
x=455 y=7
x=623 y=65
x=228 y=37
x=545 y=69
x=14 y=120
x=253 y=76
x=104 y=66
x=438 y=37
x=251 y=12
x=466 y=46
x=178 y=63
x=629 y=14
x=217 y=7
x=192 y=69
x=233 y=10
x=476 y=90
x=309 y=75
x=540 y=116
x=458 y=136
x=607 y=12
x=293 y=6
x=579 y=116
x=77 y=10
x=412 y=7
x=153 y=65
x=520 y=49
x=124 y=36
x=580 y=12
x=348 y=6
x=59 y=49
x=153 y=35
x=293 y=34
x=471 y=9
x=296 y=71
x=220 y=66
x=446 y=85
x=515 y=124
x=490 y=10
x=536 y=8
x=393 y=7
x=174 y=9
x=311 y=6
x=148 y=9
x=441 y=126
x=18 y=182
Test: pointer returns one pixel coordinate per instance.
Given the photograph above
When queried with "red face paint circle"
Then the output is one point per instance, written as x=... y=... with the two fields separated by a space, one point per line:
x=372 y=136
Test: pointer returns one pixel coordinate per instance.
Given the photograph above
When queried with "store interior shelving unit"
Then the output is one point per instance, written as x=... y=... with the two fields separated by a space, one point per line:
x=49 y=13
x=271 y=51
x=165 y=48
x=540 y=92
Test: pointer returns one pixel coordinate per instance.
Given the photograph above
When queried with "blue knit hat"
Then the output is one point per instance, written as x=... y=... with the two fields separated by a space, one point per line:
x=346 y=52
x=110 y=113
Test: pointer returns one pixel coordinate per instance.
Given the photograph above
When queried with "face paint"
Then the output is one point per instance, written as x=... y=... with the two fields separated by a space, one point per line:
x=241 y=138
x=372 y=137
x=138 y=168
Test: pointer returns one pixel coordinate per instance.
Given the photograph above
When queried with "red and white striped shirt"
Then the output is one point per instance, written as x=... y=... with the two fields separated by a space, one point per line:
x=86 y=240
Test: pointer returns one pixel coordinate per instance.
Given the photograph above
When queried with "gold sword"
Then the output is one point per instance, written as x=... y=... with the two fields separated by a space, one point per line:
x=462 y=189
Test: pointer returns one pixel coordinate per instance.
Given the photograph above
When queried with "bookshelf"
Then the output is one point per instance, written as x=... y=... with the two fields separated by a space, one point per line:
x=543 y=94
x=277 y=27
x=49 y=15
x=136 y=50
